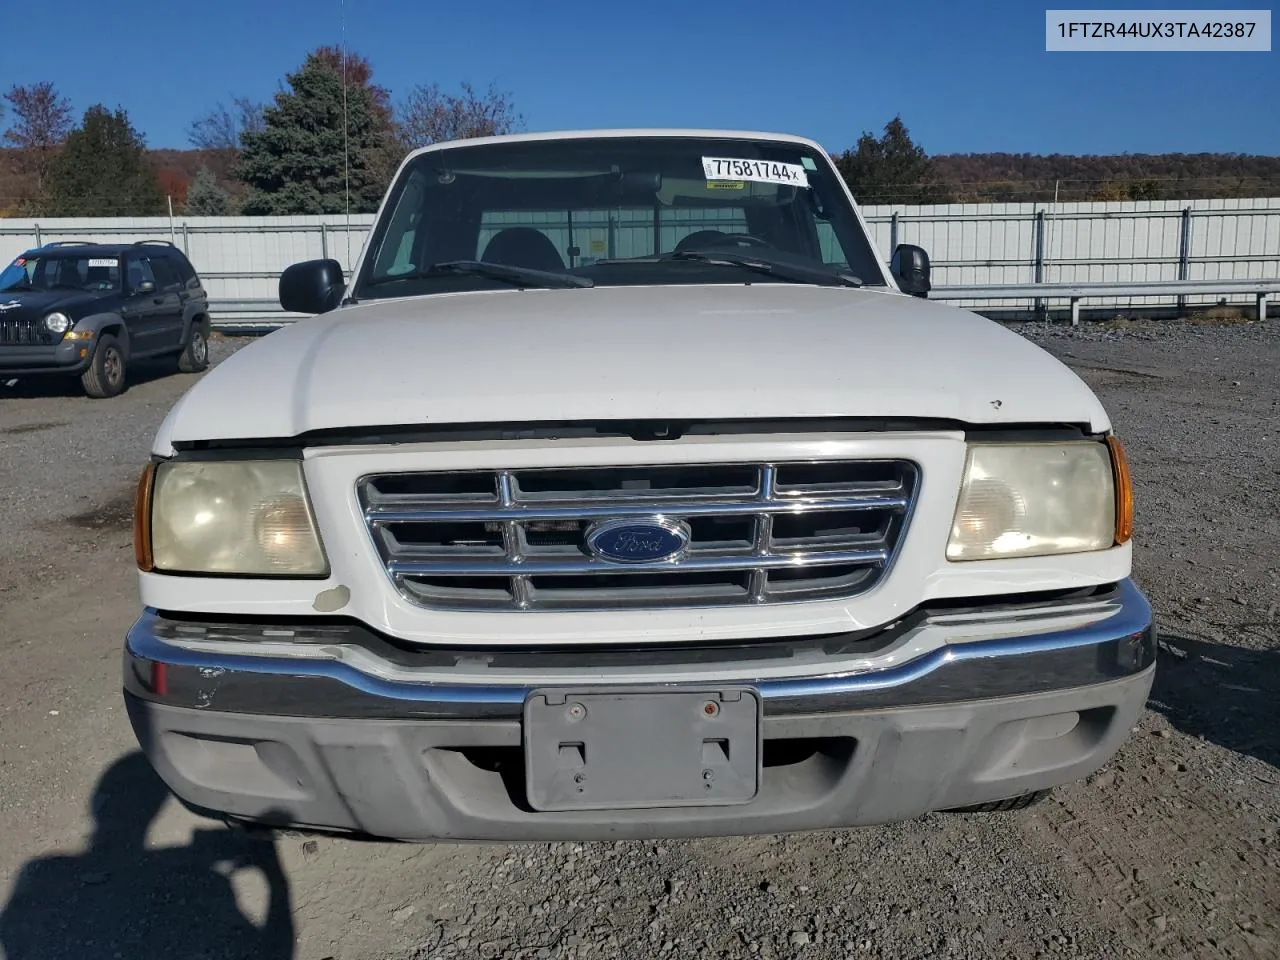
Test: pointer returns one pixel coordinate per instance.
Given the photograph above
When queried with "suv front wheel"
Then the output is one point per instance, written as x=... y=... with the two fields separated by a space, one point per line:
x=106 y=374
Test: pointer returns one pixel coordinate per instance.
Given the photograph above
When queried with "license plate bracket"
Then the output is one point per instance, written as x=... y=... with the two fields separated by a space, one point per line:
x=634 y=749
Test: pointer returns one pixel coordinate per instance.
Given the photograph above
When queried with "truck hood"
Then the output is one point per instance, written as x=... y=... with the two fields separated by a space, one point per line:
x=763 y=351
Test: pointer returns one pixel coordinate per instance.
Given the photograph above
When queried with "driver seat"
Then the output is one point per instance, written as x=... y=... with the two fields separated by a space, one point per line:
x=523 y=247
x=69 y=273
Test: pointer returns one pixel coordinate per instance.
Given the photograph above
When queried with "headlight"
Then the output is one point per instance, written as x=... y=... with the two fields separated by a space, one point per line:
x=57 y=323
x=242 y=517
x=1034 y=499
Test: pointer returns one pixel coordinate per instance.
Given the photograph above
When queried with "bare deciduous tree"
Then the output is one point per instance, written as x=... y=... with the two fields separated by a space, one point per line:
x=41 y=122
x=429 y=115
x=222 y=127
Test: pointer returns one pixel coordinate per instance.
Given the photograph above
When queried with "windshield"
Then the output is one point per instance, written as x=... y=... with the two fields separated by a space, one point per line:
x=61 y=272
x=616 y=211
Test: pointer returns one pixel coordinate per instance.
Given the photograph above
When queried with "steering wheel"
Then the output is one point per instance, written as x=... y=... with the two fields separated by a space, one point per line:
x=739 y=240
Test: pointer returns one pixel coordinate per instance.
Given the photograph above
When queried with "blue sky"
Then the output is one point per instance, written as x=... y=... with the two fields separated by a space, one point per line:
x=964 y=78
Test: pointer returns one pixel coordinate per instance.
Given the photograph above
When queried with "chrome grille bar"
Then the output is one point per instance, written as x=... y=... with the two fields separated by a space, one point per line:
x=516 y=539
x=764 y=531
x=530 y=568
x=521 y=511
x=510 y=540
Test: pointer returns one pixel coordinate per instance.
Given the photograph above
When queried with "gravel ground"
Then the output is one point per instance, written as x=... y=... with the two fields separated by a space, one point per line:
x=1173 y=850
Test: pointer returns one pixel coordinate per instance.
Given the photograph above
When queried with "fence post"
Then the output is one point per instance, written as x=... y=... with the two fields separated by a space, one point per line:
x=1184 y=254
x=186 y=238
x=1040 y=304
x=893 y=233
x=324 y=241
x=39 y=241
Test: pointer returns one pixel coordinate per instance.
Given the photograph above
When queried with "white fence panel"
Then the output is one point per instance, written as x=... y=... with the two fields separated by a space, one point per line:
x=969 y=244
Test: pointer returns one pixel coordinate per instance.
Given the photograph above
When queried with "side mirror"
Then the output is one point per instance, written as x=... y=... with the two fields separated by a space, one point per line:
x=910 y=267
x=146 y=286
x=313 y=286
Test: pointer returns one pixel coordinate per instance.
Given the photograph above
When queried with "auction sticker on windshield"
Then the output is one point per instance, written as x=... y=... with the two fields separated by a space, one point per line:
x=761 y=171
x=103 y=263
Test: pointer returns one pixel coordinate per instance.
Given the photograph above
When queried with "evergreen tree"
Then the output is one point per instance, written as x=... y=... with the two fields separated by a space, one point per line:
x=205 y=198
x=102 y=171
x=295 y=163
x=891 y=169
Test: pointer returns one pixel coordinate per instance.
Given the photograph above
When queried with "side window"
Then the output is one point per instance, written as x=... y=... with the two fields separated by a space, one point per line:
x=166 y=274
x=394 y=255
x=186 y=272
x=832 y=252
x=139 y=271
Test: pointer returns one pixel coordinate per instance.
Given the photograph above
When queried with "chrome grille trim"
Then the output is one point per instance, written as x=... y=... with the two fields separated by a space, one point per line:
x=532 y=568
x=482 y=540
x=599 y=511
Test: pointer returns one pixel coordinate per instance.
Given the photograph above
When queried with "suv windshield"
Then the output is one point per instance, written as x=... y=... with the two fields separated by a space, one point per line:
x=611 y=211
x=61 y=272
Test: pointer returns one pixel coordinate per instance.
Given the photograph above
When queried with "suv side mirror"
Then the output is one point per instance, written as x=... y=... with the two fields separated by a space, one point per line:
x=313 y=286
x=910 y=267
x=146 y=286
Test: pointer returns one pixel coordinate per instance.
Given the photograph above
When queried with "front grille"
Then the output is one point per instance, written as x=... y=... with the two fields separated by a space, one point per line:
x=758 y=533
x=24 y=330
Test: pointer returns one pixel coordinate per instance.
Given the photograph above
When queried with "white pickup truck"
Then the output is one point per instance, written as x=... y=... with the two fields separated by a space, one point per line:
x=623 y=491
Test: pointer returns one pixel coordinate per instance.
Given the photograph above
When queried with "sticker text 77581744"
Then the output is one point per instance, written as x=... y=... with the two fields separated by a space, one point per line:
x=762 y=171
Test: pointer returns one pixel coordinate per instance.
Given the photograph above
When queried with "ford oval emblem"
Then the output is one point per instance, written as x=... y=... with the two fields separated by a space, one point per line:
x=646 y=540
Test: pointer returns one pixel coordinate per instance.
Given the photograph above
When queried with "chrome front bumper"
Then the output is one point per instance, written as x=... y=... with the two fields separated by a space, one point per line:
x=356 y=734
x=348 y=672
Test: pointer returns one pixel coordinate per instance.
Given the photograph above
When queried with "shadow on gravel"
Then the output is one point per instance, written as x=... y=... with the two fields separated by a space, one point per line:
x=140 y=372
x=121 y=900
x=115 y=514
x=1228 y=695
x=31 y=428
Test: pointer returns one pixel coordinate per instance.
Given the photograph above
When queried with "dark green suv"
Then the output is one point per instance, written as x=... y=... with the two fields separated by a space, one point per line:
x=89 y=310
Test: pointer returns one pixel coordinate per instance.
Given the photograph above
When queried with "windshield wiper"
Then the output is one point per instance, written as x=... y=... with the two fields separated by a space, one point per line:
x=799 y=272
x=784 y=270
x=519 y=276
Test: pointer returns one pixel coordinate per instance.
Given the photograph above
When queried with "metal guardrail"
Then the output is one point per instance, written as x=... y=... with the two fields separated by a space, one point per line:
x=1260 y=290
x=262 y=312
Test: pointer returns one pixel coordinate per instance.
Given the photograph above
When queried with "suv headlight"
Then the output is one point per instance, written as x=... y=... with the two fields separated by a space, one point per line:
x=248 y=517
x=1035 y=499
x=57 y=322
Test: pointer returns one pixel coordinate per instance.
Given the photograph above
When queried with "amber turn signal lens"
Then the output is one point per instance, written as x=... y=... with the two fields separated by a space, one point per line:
x=1124 y=491
x=142 y=518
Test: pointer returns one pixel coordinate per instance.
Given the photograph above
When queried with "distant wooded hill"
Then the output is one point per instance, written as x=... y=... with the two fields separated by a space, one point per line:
x=955 y=178
x=1007 y=177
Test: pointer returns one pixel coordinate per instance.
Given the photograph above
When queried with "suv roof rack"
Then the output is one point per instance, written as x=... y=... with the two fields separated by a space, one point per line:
x=70 y=243
x=167 y=243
